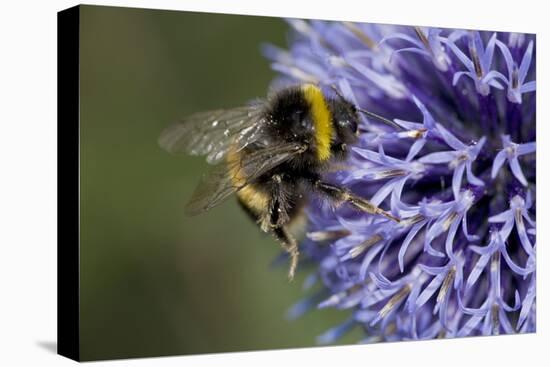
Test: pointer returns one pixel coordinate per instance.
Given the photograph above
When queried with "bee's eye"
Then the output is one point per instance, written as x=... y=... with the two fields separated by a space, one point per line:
x=348 y=124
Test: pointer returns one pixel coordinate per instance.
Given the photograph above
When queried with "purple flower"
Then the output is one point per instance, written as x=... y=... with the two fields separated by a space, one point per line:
x=429 y=45
x=459 y=159
x=516 y=75
x=462 y=260
x=479 y=64
x=511 y=152
x=517 y=217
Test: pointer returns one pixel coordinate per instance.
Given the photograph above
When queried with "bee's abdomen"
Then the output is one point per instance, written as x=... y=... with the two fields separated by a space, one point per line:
x=255 y=200
x=250 y=196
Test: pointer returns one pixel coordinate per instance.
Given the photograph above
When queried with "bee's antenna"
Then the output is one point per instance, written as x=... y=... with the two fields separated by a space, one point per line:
x=379 y=118
x=335 y=90
x=368 y=113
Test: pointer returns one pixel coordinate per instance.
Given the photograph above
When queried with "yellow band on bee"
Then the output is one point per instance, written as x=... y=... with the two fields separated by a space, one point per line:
x=321 y=119
x=252 y=198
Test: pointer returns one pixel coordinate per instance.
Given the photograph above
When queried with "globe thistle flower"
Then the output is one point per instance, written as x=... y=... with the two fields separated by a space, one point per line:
x=458 y=168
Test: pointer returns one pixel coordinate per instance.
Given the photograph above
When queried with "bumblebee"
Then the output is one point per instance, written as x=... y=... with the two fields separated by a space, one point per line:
x=272 y=154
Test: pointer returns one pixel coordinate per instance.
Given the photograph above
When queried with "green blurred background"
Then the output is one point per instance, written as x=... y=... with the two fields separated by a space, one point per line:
x=153 y=281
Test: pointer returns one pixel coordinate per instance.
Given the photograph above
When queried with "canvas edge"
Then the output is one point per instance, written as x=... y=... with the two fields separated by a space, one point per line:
x=68 y=189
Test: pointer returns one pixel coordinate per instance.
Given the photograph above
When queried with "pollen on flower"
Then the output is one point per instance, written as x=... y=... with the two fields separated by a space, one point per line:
x=458 y=168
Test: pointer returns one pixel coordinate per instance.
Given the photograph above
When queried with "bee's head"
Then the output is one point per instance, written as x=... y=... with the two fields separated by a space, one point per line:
x=345 y=121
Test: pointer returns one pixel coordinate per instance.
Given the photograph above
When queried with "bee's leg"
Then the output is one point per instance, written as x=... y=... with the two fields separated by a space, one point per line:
x=340 y=195
x=276 y=217
x=289 y=244
x=277 y=211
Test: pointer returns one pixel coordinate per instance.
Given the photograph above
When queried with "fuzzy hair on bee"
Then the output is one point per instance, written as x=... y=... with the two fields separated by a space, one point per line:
x=272 y=155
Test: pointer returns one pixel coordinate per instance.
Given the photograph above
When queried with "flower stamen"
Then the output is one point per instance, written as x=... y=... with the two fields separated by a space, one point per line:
x=515 y=77
x=476 y=61
x=495 y=322
x=446 y=284
x=422 y=37
x=394 y=301
x=364 y=246
x=449 y=220
x=360 y=34
x=390 y=173
x=321 y=236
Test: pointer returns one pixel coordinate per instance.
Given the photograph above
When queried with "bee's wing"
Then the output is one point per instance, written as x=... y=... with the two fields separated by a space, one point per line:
x=228 y=178
x=211 y=133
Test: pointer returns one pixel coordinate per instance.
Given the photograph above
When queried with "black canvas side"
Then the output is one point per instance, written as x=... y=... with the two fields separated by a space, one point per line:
x=68 y=217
